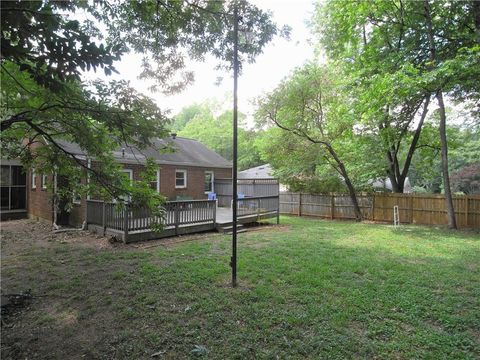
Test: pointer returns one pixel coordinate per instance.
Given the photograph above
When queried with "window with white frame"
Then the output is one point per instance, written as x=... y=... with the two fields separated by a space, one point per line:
x=129 y=175
x=44 y=181
x=180 y=179
x=34 y=179
x=155 y=185
x=208 y=187
x=77 y=198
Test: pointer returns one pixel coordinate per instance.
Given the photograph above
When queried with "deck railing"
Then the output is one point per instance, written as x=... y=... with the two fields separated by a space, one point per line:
x=248 y=187
x=257 y=205
x=128 y=219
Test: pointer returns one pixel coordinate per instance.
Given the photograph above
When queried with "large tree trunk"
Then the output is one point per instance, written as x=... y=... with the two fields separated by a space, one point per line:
x=452 y=223
x=397 y=177
x=351 y=190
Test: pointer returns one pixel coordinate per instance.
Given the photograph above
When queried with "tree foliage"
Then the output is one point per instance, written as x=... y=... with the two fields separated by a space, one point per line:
x=312 y=105
x=47 y=45
x=403 y=53
x=217 y=133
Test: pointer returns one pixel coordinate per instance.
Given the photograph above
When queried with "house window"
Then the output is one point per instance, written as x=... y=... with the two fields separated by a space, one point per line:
x=129 y=175
x=13 y=187
x=180 y=179
x=34 y=179
x=77 y=198
x=44 y=181
x=208 y=181
x=155 y=185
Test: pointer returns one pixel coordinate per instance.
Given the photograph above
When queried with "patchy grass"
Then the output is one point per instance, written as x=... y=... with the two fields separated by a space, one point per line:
x=309 y=289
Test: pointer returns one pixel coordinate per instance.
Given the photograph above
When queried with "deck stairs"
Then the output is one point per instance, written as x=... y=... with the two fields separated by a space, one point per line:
x=227 y=228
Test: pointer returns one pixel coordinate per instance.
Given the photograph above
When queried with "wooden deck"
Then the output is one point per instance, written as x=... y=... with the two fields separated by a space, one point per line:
x=181 y=217
x=224 y=217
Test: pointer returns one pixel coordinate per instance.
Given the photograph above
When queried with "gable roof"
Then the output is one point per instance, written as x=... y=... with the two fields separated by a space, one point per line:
x=258 y=172
x=176 y=151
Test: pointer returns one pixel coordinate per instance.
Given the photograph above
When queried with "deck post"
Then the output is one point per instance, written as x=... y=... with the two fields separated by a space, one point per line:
x=177 y=219
x=215 y=214
x=125 y=224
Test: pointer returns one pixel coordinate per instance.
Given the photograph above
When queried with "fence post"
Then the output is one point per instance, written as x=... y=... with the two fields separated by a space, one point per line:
x=373 y=207
x=411 y=208
x=125 y=223
x=177 y=219
x=278 y=209
x=332 y=206
x=104 y=223
x=300 y=204
x=466 y=210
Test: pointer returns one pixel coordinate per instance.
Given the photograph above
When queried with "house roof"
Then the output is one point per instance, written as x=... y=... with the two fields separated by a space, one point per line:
x=258 y=172
x=173 y=151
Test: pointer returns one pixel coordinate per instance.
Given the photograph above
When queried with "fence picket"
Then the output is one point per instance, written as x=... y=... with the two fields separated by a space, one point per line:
x=414 y=208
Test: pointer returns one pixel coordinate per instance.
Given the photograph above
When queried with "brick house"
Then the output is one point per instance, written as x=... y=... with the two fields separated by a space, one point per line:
x=187 y=170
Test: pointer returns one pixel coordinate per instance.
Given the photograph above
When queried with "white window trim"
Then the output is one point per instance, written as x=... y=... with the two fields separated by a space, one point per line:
x=184 y=178
x=34 y=179
x=130 y=173
x=130 y=177
x=212 y=180
x=158 y=181
x=76 y=200
x=44 y=181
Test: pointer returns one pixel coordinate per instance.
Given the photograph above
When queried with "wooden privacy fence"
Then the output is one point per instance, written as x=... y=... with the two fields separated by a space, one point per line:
x=257 y=205
x=247 y=187
x=127 y=220
x=426 y=209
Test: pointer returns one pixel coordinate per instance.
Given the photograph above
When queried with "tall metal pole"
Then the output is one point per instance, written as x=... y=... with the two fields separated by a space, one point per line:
x=233 y=261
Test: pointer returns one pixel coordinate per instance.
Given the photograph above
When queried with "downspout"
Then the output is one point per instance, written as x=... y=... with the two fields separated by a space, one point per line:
x=84 y=224
x=55 y=202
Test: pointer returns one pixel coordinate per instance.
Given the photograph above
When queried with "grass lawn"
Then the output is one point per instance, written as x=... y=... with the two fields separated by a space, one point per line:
x=308 y=289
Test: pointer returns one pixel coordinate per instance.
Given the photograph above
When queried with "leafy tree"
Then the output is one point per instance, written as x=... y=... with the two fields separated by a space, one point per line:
x=45 y=49
x=312 y=106
x=467 y=179
x=432 y=47
x=216 y=132
x=188 y=113
x=298 y=163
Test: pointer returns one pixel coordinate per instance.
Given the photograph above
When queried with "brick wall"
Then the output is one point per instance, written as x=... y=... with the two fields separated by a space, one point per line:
x=195 y=180
x=39 y=200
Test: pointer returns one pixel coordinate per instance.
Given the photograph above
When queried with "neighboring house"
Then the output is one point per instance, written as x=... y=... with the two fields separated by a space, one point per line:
x=260 y=172
x=186 y=172
x=385 y=185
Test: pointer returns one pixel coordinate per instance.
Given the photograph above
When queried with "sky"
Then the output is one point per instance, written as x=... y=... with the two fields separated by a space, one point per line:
x=279 y=58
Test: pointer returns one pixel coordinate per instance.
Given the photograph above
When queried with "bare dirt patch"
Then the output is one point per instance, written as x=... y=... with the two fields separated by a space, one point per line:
x=21 y=233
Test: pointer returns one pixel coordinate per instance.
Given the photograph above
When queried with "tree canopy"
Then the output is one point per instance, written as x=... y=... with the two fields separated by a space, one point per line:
x=48 y=45
x=200 y=122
